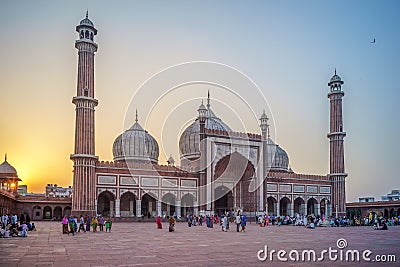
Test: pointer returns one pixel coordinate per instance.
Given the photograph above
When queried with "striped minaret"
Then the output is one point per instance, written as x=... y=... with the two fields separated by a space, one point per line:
x=336 y=137
x=84 y=184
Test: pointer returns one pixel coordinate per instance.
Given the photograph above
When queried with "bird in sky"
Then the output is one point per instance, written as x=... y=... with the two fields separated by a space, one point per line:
x=373 y=41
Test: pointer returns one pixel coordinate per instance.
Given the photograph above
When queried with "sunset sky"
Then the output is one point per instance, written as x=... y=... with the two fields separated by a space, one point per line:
x=288 y=48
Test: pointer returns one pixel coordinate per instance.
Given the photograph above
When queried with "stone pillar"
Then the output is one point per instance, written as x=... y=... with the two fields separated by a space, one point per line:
x=317 y=209
x=111 y=208
x=329 y=210
x=196 y=208
x=178 y=208
x=326 y=210
x=138 y=207
x=290 y=210
x=303 y=209
x=117 y=208
x=277 y=208
x=159 y=208
x=131 y=208
x=96 y=206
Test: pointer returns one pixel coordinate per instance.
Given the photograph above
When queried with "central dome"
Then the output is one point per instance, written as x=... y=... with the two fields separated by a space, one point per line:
x=135 y=144
x=189 y=142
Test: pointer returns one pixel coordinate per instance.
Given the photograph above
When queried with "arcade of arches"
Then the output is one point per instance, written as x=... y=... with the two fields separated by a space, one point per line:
x=129 y=205
x=300 y=206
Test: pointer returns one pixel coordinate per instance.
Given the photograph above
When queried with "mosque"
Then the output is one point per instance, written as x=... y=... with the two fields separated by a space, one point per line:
x=221 y=170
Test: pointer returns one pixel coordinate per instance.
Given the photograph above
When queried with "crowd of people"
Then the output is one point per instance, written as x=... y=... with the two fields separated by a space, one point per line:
x=12 y=226
x=71 y=224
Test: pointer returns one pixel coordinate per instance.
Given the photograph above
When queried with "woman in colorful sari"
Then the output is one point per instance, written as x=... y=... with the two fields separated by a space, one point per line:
x=158 y=222
x=171 y=224
x=94 y=224
x=64 y=223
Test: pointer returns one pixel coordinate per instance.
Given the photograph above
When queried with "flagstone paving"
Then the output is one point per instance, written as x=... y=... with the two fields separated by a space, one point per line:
x=141 y=244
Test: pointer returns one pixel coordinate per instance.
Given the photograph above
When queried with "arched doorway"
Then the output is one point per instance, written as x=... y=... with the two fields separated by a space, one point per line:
x=323 y=207
x=37 y=213
x=236 y=170
x=67 y=211
x=168 y=204
x=311 y=204
x=187 y=203
x=386 y=213
x=105 y=204
x=57 y=213
x=128 y=204
x=47 y=213
x=149 y=205
x=284 y=206
x=223 y=200
x=299 y=206
x=271 y=203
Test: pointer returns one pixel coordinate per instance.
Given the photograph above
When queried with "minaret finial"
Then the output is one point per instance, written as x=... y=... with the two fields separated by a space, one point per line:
x=136 y=117
x=5 y=157
x=208 y=99
x=335 y=71
x=87 y=13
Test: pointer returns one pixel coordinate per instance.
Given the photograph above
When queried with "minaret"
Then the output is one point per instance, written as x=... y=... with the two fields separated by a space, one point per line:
x=84 y=183
x=264 y=138
x=336 y=137
x=204 y=205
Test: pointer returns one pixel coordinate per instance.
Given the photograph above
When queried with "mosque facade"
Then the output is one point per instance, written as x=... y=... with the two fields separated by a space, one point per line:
x=221 y=170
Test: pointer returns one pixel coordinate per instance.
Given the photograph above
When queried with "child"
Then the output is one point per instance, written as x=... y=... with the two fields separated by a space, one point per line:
x=108 y=225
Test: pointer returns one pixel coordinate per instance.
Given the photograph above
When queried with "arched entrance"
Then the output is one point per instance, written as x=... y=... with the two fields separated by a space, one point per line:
x=223 y=200
x=311 y=204
x=168 y=204
x=57 y=213
x=299 y=206
x=47 y=213
x=187 y=203
x=323 y=207
x=149 y=205
x=67 y=211
x=238 y=171
x=271 y=203
x=128 y=204
x=36 y=213
x=105 y=203
x=284 y=206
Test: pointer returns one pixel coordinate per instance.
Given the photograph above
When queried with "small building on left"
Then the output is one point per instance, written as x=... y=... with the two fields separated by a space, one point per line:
x=14 y=199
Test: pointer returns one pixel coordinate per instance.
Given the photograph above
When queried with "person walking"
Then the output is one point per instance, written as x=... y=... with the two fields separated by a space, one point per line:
x=238 y=221
x=81 y=224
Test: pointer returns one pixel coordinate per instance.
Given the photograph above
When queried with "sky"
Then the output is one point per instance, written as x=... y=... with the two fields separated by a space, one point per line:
x=289 y=49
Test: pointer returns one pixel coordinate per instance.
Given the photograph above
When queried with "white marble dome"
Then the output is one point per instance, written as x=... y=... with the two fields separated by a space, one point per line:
x=277 y=157
x=135 y=144
x=189 y=142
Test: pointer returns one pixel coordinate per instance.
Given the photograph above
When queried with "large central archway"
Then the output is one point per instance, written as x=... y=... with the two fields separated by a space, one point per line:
x=238 y=171
x=224 y=200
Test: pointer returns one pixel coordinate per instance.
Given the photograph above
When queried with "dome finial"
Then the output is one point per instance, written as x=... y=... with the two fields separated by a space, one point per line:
x=208 y=99
x=87 y=13
x=136 y=117
x=5 y=157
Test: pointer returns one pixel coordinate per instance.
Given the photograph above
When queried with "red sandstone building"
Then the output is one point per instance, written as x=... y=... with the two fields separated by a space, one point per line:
x=220 y=169
x=238 y=171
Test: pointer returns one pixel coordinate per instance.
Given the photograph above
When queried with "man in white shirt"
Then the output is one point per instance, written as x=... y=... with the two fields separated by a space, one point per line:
x=238 y=221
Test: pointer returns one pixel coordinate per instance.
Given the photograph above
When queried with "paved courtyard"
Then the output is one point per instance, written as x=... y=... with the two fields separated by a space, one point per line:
x=141 y=244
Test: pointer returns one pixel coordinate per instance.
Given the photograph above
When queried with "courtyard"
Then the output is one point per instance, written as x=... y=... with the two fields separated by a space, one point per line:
x=141 y=244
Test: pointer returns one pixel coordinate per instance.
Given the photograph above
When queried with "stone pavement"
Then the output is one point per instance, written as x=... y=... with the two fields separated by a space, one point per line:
x=141 y=244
